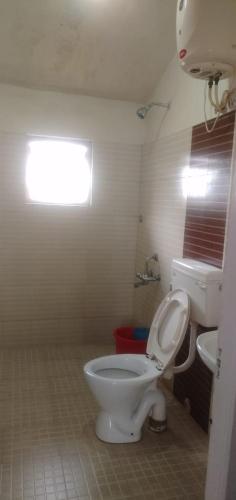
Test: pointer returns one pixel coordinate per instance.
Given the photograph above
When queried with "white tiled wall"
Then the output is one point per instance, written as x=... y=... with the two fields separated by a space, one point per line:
x=163 y=207
x=66 y=273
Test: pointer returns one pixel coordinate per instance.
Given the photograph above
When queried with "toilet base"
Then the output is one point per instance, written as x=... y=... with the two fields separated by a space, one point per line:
x=157 y=425
x=107 y=431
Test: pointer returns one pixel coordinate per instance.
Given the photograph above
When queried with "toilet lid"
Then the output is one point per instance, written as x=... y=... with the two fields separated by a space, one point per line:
x=169 y=326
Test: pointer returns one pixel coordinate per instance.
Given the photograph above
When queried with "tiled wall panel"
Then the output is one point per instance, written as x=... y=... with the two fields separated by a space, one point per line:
x=206 y=211
x=211 y=156
x=66 y=273
x=163 y=208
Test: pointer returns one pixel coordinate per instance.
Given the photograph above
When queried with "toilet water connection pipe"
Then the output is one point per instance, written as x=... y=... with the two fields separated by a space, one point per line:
x=153 y=400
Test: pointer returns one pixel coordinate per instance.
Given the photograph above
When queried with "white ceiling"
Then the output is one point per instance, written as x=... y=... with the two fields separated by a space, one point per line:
x=106 y=48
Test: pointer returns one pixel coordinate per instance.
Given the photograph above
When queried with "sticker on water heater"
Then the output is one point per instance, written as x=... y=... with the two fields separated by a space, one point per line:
x=182 y=53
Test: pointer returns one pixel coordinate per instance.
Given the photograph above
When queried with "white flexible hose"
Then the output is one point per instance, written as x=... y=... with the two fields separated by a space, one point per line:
x=208 y=129
x=218 y=103
x=213 y=103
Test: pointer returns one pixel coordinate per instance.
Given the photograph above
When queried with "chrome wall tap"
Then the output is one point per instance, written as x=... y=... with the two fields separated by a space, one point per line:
x=148 y=276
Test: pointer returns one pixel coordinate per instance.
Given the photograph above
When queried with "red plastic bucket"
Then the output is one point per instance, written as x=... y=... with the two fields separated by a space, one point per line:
x=126 y=344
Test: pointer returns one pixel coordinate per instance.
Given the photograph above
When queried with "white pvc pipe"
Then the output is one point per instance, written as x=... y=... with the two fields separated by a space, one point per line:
x=153 y=399
x=158 y=411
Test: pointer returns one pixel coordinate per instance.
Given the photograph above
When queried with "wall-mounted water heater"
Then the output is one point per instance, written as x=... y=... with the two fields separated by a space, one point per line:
x=206 y=37
x=206 y=46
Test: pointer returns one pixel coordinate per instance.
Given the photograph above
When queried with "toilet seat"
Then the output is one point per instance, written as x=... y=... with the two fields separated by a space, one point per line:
x=169 y=327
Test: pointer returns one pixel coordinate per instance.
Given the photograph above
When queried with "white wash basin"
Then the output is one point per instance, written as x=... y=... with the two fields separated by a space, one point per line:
x=207 y=348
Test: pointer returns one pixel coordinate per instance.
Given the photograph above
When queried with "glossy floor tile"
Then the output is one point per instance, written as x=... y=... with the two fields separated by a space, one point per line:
x=48 y=447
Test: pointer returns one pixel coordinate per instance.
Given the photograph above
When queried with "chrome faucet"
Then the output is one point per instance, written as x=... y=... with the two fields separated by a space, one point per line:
x=148 y=276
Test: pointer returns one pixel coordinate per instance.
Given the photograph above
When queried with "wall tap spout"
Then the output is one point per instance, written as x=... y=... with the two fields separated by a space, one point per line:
x=146 y=279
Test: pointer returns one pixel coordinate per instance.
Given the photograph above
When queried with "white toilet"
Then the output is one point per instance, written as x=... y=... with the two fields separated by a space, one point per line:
x=125 y=385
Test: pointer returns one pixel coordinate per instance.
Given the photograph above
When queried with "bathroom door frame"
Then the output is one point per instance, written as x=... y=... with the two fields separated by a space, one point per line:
x=221 y=478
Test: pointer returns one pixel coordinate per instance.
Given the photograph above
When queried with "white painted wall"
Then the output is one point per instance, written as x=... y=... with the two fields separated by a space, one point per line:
x=44 y=112
x=163 y=207
x=186 y=96
x=68 y=272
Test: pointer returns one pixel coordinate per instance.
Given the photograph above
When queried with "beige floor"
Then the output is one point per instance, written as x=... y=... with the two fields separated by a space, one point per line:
x=48 y=448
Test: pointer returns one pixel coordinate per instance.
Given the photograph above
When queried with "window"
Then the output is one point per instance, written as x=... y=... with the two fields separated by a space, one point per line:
x=59 y=172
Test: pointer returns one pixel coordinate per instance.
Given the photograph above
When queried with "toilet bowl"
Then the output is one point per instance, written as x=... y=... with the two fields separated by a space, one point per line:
x=118 y=383
x=124 y=385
